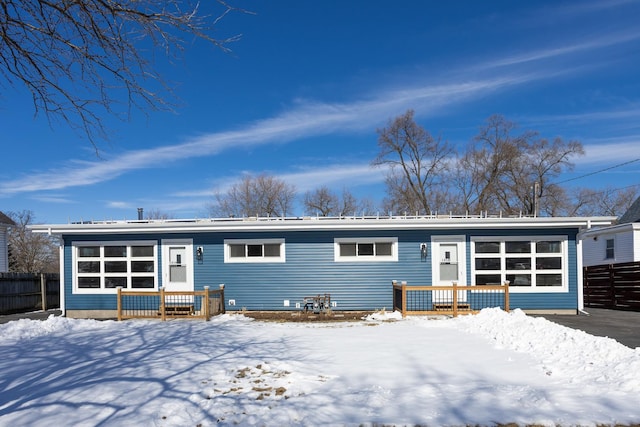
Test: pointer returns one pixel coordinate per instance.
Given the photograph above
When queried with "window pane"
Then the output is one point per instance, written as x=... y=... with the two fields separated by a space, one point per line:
x=236 y=251
x=519 y=279
x=89 y=282
x=609 y=252
x=115 y=251
x=449 y=271
x=88 y=266
x=142 y=282
x=487 y=247
x=488 y=279
x=548 y=280
x=518 y=263
x=141 y=251
x=548 y=247
x=114 y=282
x=549 y=263
x=365 y=249
x=178 y=273
x=347 y=249
x=254 y=250
x=487 y=263
x=272 y=249
x=142 y=266
x=517 y=247
x=115 y=266
x=89 y=251
x=384 y=249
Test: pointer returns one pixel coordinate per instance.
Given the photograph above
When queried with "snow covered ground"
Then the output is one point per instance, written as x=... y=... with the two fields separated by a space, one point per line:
x=485 y=369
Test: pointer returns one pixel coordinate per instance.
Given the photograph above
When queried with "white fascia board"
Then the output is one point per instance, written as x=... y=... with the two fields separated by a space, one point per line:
x=324 y=224
x=612 y=229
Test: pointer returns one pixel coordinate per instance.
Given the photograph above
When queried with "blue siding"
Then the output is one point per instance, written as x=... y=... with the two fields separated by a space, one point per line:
x=310 y=269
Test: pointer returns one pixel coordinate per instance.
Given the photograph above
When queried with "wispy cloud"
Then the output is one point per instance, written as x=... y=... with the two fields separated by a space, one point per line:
x=304 y=180
x=313 y=118
x=563 y=51
x=303 y=120
x=611 y=150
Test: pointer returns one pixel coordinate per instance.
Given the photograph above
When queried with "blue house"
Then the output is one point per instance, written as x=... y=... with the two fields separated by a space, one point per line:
x=273 y=263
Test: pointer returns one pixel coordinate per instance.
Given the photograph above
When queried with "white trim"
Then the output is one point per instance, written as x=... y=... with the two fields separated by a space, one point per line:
x=580 y=276
x=62 y=283
x=460 y=241
x=168 y=244
x=365 y=240
x=310 y=224
x=254 y=260
x=564 y=255
x=129 y=274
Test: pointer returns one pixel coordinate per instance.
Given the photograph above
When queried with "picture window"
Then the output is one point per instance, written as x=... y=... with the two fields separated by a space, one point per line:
x=535 y=264
x=101 y=266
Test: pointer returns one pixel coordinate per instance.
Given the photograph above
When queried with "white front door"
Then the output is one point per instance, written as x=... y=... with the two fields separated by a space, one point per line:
x=449 y=264
x=177 y=265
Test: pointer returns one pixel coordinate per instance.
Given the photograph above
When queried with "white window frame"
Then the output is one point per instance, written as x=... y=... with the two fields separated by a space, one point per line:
x=101 y=259
x=563 y=271
x=612 y=248
x=254 y=259
x=366 y=240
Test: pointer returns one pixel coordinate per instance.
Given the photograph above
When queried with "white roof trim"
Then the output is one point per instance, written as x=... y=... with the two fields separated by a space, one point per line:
x=311 y=224
x=618 y=228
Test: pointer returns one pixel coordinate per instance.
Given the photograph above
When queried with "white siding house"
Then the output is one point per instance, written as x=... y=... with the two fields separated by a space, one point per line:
x=611 y=245
x=615 y=244
x=5 y=223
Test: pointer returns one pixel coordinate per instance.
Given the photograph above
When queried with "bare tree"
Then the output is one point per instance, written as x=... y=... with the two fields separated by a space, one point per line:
x=610 y=201
x=263 y=195
x=158 y=214
x=30 y=252
x=324 y=202
x=512 y=173
x=81 y=58
x=321 y=201
x=417 y=163
x=485 y=179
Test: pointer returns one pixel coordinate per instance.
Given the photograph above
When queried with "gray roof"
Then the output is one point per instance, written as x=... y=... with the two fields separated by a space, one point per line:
x=632 y=214
x=5 y=220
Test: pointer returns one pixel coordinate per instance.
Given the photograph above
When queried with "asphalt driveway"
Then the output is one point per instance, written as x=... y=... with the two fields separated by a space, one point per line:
x=622 y=326
x=35 y=315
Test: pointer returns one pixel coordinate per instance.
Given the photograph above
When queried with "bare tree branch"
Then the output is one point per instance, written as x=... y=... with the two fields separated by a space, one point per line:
x=417 y=161
x=263 y=195
x=82 y=59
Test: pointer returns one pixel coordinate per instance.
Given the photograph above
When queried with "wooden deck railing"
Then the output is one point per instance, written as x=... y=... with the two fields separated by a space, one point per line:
x=170 y=304
x=448 y=300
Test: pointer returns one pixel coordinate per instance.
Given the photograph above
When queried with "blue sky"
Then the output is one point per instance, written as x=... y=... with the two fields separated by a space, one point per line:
x=306 y=87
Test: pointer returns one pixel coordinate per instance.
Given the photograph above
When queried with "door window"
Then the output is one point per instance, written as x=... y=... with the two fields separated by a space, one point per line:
x=177 y=266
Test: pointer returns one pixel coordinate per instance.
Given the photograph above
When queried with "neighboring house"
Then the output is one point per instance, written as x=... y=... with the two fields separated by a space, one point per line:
x=5 y=223
x=273 y=263
x=615 y=244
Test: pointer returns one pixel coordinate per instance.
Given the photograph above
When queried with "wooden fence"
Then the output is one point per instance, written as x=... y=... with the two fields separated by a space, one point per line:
x=170 y=304
x=24 y=292
x=448 y=300
x=613 y=286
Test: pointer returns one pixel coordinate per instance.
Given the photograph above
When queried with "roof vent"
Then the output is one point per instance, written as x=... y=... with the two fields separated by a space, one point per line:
x=140 y=214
